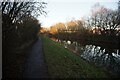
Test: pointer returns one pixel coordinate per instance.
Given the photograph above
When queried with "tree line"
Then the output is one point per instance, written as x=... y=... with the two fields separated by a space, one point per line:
x=19 y=22
x=103 y=25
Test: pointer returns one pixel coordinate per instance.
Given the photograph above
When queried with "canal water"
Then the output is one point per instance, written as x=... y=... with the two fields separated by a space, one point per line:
x=107 y=58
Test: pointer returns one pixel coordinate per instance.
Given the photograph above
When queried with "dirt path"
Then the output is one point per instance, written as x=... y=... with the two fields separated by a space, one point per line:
x=35 y=66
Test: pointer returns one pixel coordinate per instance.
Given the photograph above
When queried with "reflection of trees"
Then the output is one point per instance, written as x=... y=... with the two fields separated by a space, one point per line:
x=103 y=57
x=107 y=58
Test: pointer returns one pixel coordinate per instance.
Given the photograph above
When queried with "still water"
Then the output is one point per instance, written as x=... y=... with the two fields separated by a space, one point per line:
x=107 y=58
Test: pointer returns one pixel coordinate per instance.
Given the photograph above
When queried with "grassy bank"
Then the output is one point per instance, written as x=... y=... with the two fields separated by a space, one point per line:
x=64 y=64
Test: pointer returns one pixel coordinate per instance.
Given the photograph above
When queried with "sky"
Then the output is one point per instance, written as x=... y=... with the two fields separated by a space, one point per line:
x=65 y=10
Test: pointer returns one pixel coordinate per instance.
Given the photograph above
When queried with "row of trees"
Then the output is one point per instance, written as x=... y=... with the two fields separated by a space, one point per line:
x=102 y=20
x=71 y=26
x=106 y=20
x=103 y=25
x=19 y=23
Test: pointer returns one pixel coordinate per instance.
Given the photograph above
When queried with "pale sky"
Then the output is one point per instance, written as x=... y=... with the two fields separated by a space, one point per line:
x=64 y=10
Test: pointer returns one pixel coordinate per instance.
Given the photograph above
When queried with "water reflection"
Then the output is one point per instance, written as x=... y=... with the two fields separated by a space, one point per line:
x=107 y=58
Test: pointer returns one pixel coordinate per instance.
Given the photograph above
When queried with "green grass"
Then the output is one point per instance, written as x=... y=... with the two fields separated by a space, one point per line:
x=62 y=63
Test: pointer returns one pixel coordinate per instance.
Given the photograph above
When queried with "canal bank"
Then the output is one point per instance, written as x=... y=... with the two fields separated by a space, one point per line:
x=62 y=63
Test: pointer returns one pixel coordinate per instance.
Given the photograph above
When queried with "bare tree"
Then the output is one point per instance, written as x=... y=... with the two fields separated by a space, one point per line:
x=106 y=20
x=14 y=11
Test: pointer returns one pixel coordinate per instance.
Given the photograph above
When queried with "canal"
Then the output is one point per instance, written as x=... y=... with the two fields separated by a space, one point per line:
x=106 y=57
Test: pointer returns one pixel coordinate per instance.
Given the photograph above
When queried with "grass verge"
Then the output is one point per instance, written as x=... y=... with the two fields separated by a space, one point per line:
x=62 y=63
